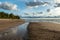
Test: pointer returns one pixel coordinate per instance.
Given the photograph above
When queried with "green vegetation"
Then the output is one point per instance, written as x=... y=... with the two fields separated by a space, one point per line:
x=4 y=15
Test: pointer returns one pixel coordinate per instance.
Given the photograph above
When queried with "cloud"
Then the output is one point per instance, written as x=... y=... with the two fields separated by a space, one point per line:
x=48 y=10
x=57 y=5
x=35 y=0
x=32 y=6
x=36 y=4
x=57 y=1
x=8 y=6
x=55 y=12
x=36 y=14
x=23 y=0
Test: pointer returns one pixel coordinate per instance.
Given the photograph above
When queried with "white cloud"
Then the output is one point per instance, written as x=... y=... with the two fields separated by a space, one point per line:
x=57 y=1
x=55 y=12
x=32 y=7
x=23 y=0
x=8 y=6
x=35 y=0
x=0 y=2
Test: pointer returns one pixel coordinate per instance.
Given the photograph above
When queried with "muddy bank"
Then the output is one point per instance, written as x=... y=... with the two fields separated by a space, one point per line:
x=43 y=31
x=8 y=23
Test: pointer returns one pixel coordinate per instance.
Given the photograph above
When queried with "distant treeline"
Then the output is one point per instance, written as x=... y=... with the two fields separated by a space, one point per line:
x=4 y=15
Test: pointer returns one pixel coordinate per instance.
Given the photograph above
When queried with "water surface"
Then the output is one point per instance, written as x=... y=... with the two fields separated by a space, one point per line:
x=19 y=33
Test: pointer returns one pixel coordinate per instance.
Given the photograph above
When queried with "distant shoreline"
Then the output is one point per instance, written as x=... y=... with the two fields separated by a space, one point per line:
x=40 y=18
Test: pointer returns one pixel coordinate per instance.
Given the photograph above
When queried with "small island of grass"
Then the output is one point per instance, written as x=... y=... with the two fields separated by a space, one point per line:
x=4 y=15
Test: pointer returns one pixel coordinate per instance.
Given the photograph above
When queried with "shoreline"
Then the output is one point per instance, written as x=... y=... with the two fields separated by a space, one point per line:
x=55 y=26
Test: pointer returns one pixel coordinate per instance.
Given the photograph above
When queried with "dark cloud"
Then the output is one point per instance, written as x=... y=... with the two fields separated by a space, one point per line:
x=8 y=6
x=57 y=5
x=48 y=10
x=31 y=4
x=40 y=12
x=26 y=13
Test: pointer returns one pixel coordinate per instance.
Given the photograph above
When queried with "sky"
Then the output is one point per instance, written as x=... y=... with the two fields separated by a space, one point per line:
x=31 y=7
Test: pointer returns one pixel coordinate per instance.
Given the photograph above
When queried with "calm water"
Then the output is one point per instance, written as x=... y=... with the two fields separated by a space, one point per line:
x=19 y=33
x=22 y=30
x=43 y=20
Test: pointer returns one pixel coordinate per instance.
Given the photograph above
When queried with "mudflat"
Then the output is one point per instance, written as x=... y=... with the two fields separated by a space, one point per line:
x=43 y=31
x=8 y=23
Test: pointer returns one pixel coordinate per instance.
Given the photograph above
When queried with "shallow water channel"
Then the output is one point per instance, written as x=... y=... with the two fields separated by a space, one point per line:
x=17 y=33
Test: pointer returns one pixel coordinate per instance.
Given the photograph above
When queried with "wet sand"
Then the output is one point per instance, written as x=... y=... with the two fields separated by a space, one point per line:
x=16 y=33
x=43 y=31
x=8 y=23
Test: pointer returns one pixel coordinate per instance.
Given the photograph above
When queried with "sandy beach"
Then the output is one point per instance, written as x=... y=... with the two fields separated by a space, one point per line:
x=43 y=31
x=46 y=25
x=8 y=23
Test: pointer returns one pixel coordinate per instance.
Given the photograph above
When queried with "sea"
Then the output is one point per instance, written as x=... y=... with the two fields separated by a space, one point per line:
x=53 y=20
